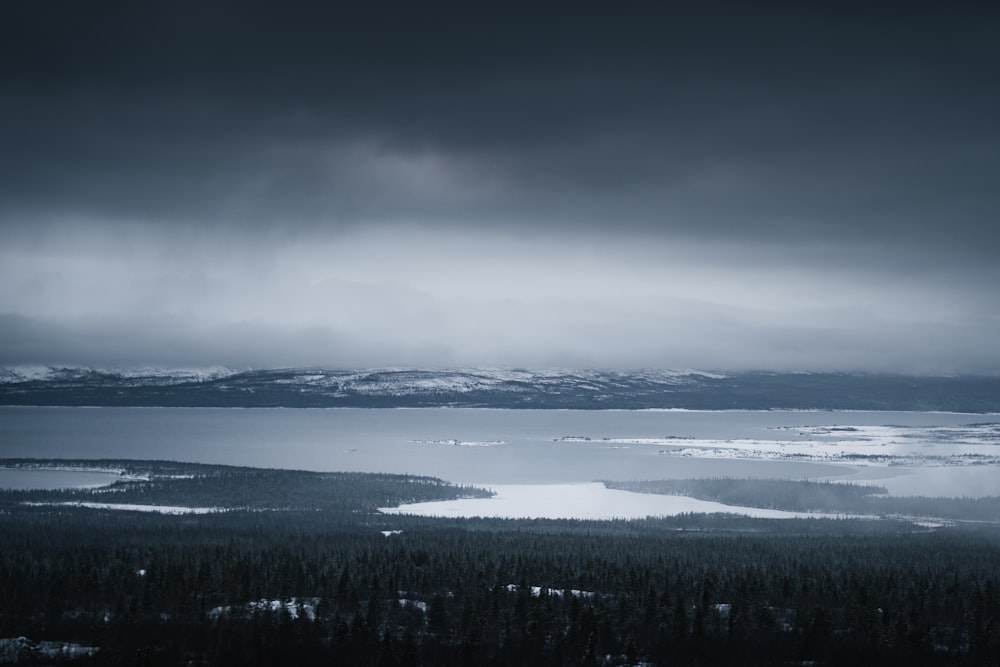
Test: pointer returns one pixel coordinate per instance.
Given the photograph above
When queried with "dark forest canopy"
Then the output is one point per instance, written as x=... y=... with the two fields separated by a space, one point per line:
x=341 y=582
x=261 y=588
x=349 y=494
x=169 y=483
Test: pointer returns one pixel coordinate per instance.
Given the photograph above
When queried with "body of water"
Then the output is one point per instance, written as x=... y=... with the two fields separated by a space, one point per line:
x=20 y=478
x=478 y=446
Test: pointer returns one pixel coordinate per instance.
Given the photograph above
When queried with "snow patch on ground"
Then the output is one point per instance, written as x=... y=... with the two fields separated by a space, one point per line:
x=292 y=606
x=18 y=649
x=415 y=604
x=536 y=591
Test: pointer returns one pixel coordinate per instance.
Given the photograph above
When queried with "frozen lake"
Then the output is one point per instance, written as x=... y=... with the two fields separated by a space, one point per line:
x=54 y=479
x=910 y=453
x=581 y=501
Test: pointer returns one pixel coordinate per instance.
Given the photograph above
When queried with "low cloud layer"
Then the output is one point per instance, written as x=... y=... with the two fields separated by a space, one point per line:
x=443 y=299
x=718 y=186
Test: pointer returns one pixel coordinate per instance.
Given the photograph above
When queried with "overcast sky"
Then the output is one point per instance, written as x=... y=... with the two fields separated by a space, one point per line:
x=800 y=186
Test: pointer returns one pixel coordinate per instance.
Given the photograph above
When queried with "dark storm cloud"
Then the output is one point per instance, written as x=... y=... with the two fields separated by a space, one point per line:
x=680 y=184
x=706 y=118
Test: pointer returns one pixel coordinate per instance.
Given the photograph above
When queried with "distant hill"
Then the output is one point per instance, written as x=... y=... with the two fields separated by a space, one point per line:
x=496 y=388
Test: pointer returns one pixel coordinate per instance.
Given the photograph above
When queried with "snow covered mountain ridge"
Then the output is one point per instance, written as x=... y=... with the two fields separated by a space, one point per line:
x=494 y=388
x=395 y=380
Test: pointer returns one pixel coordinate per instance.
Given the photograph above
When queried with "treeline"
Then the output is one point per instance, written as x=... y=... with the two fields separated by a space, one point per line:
x=336 y=582
x=288 y=587
x=810 y=496
x=231 y=487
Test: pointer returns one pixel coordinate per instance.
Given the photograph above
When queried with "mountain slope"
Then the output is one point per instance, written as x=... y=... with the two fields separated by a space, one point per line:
x=496 y=388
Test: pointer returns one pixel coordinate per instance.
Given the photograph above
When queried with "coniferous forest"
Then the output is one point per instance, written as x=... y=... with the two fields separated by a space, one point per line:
x=274 y=577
